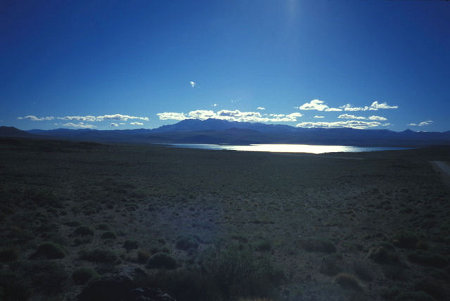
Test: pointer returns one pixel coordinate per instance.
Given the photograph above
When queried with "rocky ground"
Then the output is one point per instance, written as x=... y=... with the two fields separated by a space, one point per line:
x=86 y=221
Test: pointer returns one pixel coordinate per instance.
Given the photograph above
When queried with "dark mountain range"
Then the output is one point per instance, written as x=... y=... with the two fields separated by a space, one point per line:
x=226 y=132
x=9 y=131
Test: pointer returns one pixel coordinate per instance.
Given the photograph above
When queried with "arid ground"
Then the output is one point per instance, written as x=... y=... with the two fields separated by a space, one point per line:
x=80 y=221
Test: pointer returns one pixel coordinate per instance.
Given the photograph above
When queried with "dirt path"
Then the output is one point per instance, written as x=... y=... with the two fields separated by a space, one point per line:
x=444 y=169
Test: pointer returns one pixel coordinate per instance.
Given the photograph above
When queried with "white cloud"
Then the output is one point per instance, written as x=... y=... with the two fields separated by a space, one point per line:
x=348 y=116
x=317 y=105
x=354 y=124
x=261 y=108
x=80 y=125
x=115 y=117
x=215 y=105
x=380 y=118
x=192 y=83
x=319 y=116
x=113 y=124
x=375 y=106
x=172 y=116
x=79 y=118
x=35 y=118
x=423 y=123
x=136 y=123
x=120 y=117
x=230 y=115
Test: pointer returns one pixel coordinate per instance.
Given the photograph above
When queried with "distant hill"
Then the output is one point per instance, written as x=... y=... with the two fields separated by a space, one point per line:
x=225 y=132
x=9 y=131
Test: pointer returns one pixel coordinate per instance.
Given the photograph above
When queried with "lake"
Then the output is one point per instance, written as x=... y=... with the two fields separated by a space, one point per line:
x=289 y=148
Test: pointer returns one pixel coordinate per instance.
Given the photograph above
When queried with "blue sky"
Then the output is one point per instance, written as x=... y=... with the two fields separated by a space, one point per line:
x=141 y=64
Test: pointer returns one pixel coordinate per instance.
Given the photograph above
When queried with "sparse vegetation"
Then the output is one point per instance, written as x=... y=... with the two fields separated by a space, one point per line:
x=99 y=256
x=318 y=245
x=8 y=254
x=428 y=259
x=142 y=256
x=83 y=231
x=108 y=235
x=161 y=261
x=312 y=225
x=83 y=275
x=130 y=245
x=348 y=281
x=384 y=255
x=186 y=243
x=48 y=250
x=406 y=240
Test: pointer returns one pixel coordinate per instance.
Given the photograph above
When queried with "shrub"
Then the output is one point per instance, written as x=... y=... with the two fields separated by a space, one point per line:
x=348 y=281
x=362 y=271
x=13 y=288
x=142 y=256
x=130 y=245
x=428 y=259
x=161 y=261
x=263 y=246
x=186 y=243
x=318 y=245
x=103 y=227
x=48 y=250
x=383 y=255
x=330 y=266
x=431 y=287
x=239 y=273
x=99 y=256
x=185 y=285
x=8 y=254
x=83 y=275
x=414 y=296
x=108 y=235
x=83 y=231
x=47 y=277
x=406 y=239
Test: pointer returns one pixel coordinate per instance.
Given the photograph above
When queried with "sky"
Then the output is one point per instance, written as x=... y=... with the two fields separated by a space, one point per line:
x=370 y=64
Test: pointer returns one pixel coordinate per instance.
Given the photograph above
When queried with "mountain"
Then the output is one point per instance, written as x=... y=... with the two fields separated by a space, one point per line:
x=220 y=125
x=213 y=131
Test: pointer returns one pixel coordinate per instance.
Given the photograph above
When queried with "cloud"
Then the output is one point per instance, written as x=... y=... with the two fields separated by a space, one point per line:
x=348 y=116
x=261 y=108
x=113 y=124
x=354 y=124
x=136 y=123
x=215 y=105
x=79 y=118
x=375 y=106
x=423 y=123
x=380 y=118
x=34 y=118
x=172 y=116
x=319 y=116
x=317 y=105
x=192 y=83
x=115 y=117
x=80 y=125
x=230 y=115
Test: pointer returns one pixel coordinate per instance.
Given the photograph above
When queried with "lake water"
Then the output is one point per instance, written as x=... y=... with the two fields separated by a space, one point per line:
x=288 y=148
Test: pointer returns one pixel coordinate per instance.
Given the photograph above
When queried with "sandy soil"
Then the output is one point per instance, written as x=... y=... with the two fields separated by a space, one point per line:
x=373 y=228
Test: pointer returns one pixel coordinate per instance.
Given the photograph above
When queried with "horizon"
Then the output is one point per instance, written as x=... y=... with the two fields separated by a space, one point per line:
x=308 y=64
x=245 y=122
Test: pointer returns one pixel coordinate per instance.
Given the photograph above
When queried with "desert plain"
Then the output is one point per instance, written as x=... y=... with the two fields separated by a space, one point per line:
x=87 y=221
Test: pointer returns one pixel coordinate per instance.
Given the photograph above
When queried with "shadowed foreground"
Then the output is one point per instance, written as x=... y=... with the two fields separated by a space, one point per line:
x=90 y=221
